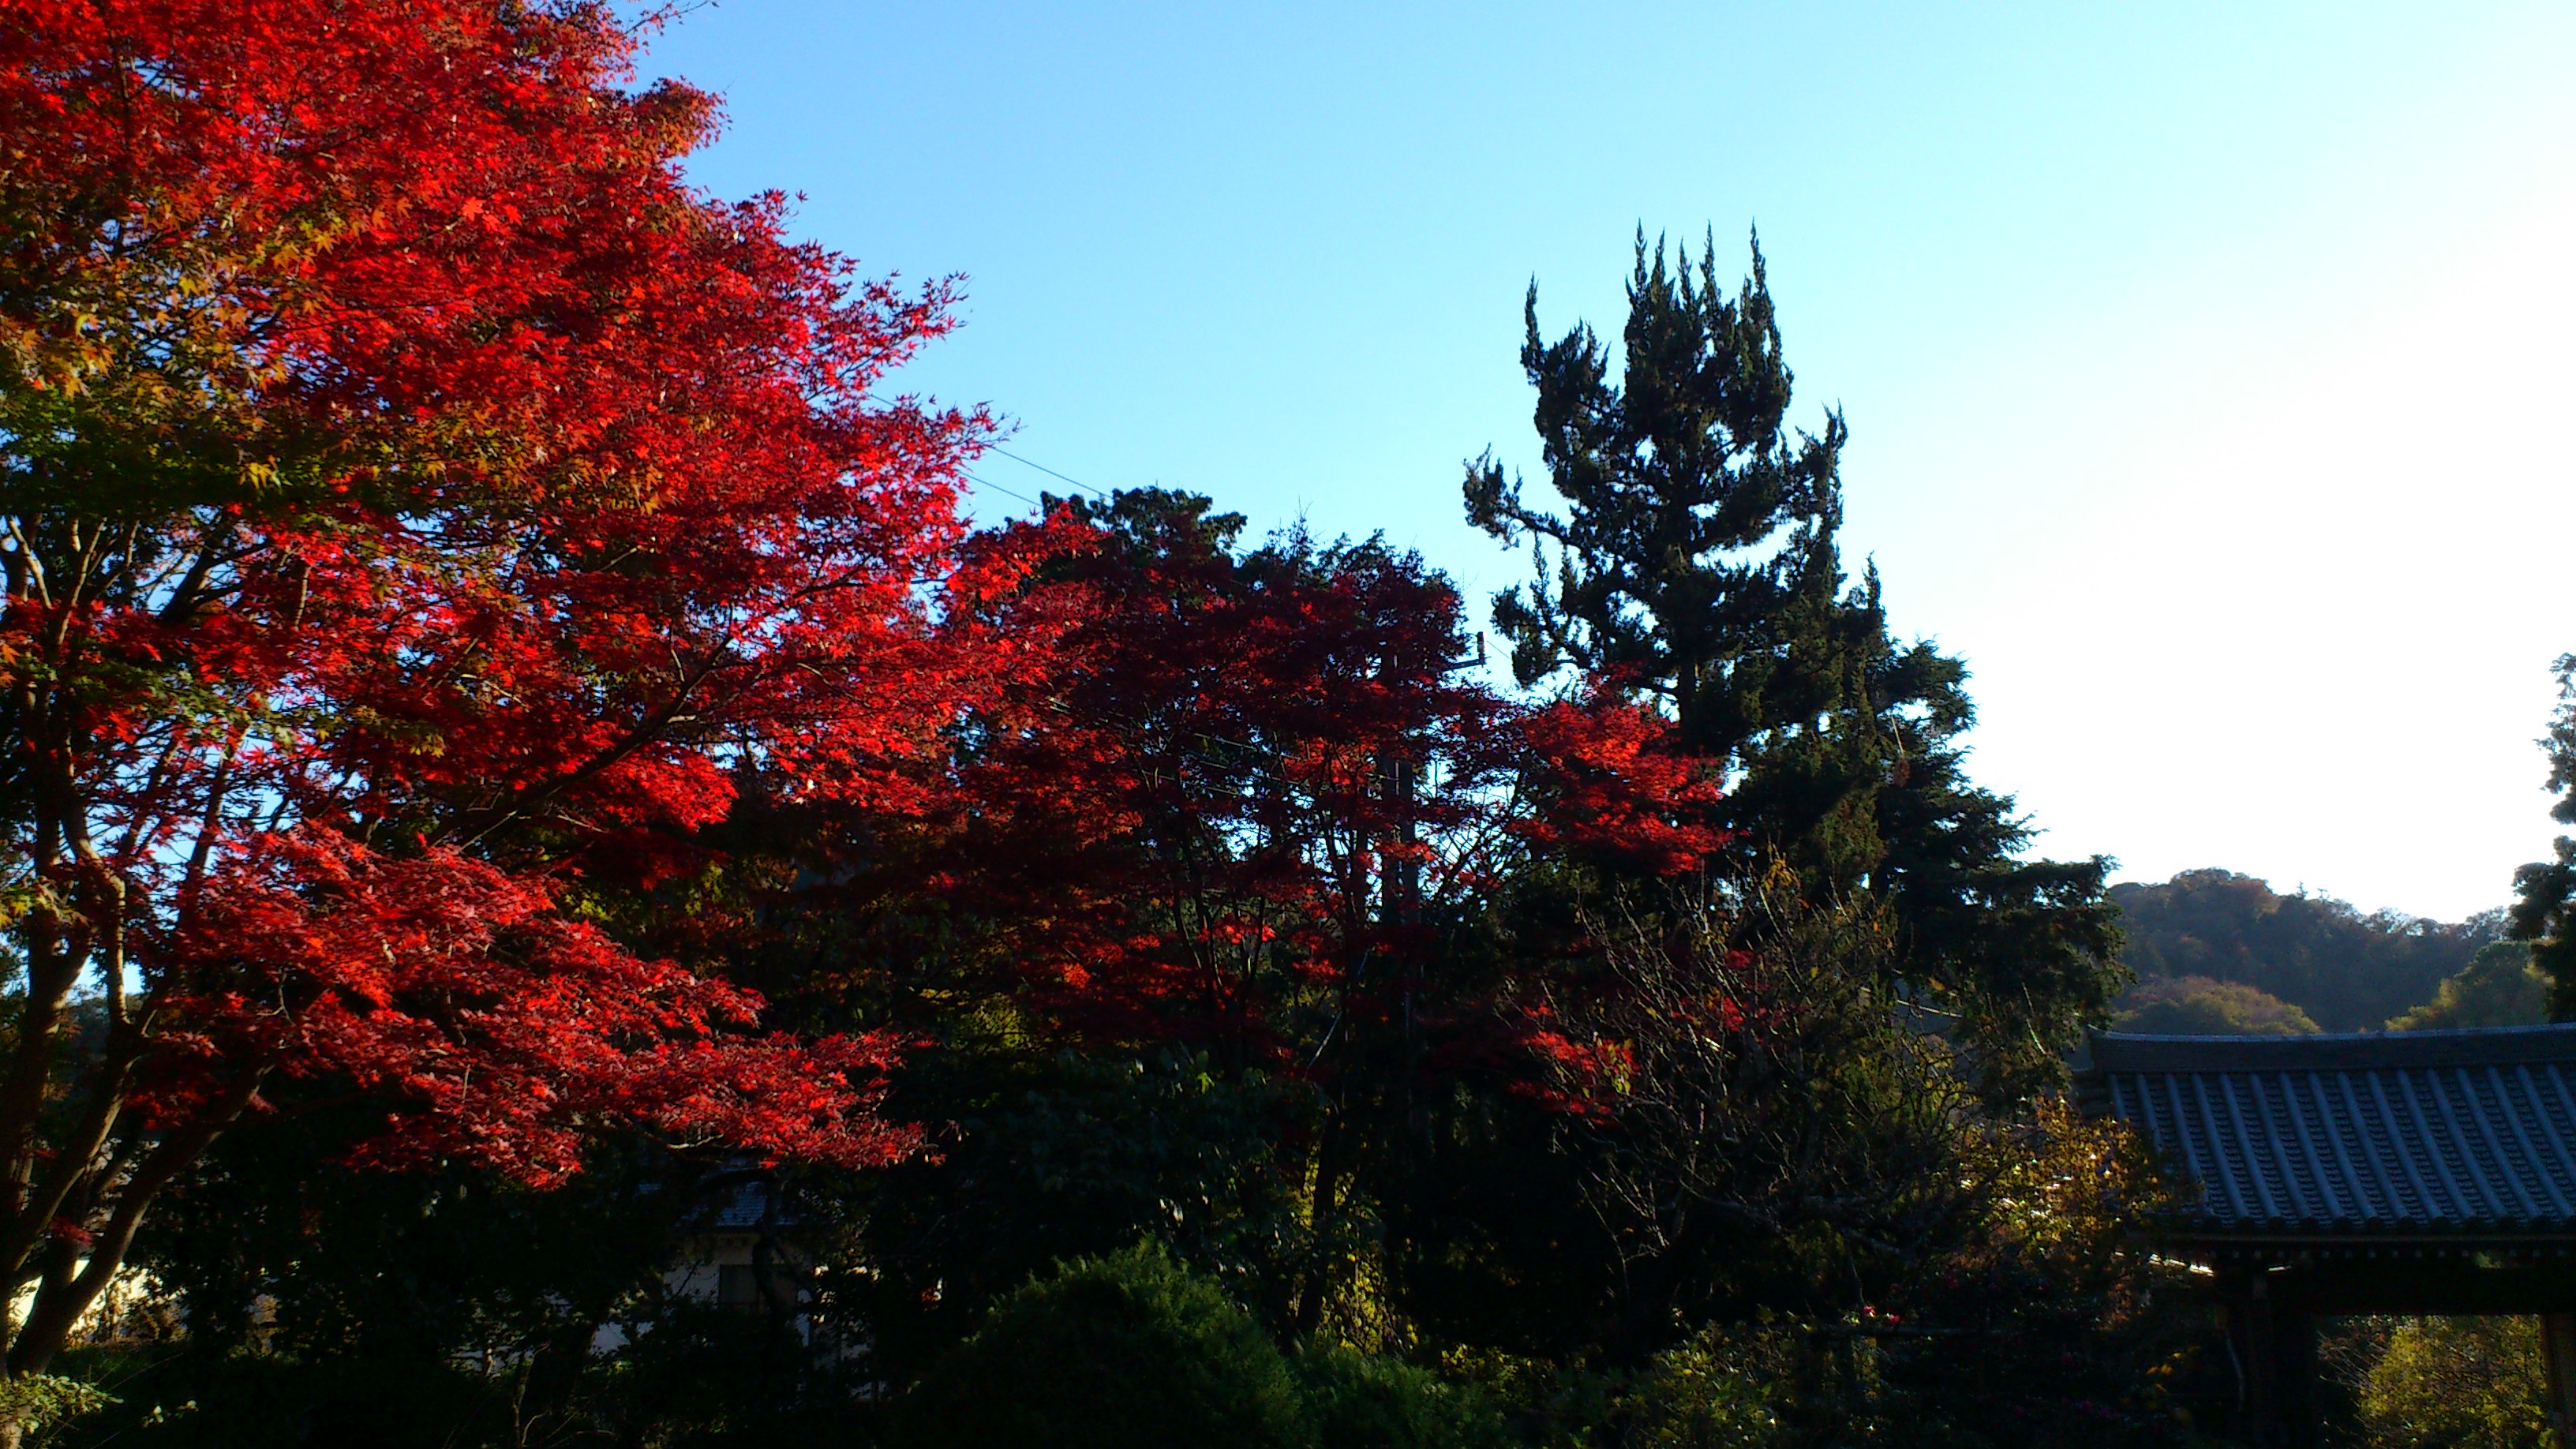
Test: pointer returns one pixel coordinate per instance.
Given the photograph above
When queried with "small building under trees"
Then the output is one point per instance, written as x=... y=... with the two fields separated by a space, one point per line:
x=2392 y=1173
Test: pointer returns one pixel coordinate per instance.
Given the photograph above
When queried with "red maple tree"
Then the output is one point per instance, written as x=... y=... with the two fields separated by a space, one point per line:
x=418 y=509
x=1244 y=787
x=1228 y=800
x=1245 y=784
x=1252 y=808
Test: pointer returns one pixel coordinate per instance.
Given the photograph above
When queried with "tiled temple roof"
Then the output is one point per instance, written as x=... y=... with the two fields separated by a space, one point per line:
x=2401 y=1134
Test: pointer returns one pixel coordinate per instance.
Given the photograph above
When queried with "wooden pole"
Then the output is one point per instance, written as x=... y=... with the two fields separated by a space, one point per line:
x=2294 y=1335
x=2558 y=1359
x=2250 y=1344
x=2275 y=1347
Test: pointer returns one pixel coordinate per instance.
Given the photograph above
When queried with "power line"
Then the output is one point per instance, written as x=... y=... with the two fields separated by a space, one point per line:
x=982 y=482
x=1050 y=472
x=998 y=488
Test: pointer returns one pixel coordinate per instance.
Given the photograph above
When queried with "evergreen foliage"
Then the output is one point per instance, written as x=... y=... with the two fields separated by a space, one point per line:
x=2544 y=908
x=1697 y=562
x=38 y=1402
x=1725 y=1388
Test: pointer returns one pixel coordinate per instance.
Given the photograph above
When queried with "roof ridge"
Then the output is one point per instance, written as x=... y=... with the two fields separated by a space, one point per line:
x=2465 y=1046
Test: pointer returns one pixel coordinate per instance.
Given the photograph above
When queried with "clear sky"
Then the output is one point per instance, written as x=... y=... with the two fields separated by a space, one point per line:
x=2208 y=364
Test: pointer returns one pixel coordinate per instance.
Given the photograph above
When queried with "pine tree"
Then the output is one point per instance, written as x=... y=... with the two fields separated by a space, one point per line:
x=2544 y=908
x=1697 y=562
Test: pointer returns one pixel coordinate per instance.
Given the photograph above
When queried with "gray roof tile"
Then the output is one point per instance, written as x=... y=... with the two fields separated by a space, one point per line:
x=2453 y=1132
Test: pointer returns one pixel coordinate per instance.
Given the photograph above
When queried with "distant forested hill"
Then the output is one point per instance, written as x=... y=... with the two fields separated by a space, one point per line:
x=2347 y=970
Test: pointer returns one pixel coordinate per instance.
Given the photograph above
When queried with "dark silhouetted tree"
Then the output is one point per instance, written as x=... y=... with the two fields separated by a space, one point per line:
x=1697 y=563
x=2544 y=908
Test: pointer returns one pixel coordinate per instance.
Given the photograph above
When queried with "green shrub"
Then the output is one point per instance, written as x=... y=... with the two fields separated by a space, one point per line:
x=1721 y=1390
x=1367 y=1401
x=37 y=1402
x=1124 y=1352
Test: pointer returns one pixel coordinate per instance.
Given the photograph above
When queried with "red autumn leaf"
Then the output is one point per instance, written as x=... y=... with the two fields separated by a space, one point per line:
x=418 y=499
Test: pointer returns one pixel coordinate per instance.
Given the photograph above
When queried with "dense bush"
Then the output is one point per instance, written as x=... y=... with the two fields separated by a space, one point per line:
x=1135 y=1351
x=1370 y=1401
x=1129 y=1351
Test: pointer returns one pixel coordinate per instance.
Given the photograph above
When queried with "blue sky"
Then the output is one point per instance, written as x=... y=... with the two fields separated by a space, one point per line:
x=2208 y=366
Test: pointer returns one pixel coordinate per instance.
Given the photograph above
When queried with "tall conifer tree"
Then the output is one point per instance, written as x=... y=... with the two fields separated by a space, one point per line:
x=1697 y=561
x=2544 y=907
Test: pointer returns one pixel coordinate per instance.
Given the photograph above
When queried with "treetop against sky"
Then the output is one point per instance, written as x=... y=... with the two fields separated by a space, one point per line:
x=2200 y=364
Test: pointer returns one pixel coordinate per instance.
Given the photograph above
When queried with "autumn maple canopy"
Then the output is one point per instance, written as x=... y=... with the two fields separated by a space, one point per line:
x=423 y=509
x=1252 y=777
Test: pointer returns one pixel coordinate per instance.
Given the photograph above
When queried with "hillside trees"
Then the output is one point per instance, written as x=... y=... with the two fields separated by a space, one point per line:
x=2205 y=1006
x=2499 y=987
x=420 y=512
x=1696 y=562
x=2348 y=970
